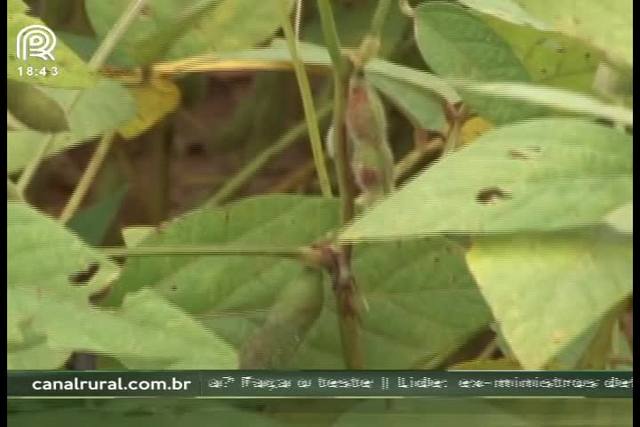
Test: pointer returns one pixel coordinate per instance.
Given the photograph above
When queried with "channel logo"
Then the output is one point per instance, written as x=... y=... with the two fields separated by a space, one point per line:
x=36 y=41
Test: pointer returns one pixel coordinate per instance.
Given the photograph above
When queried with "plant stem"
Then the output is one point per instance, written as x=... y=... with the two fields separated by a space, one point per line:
x=409 y=161
x=379 y=18
x=96 y=62
x=81 y=190
x=238 y=180
x=344 y=283
x=307 y=101
x=311 y=256
x=340 y=72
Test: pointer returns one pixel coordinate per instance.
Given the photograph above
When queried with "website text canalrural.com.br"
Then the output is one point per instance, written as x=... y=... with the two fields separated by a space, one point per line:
x=117 y=384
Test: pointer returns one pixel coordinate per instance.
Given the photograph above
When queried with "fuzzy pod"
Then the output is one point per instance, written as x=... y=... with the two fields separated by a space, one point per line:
x=297 y=307
x=372 y=158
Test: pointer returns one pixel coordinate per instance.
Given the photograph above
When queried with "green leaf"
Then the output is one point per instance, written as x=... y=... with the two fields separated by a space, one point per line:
x=507 y=10
x=296 y=308
x=12 y=191
x=205 y=283
x=614 y=83
x=622 y=218
x=99 y=109
x=34 y=239
x=72 y=71
x=411 y=322
x=606 y=25
x=231 y=25
x=551 y=58
x=159 y=42
x=558 y=99
x=353 y=21
x=34 y=108
x=22 y=146
x=546 y=290
x=16 y=7
x=50 y=310
x=314 y=55
x=232 y=295
x=539 y=175
x=85 y=46
x=92 y=223
x=457 y=44
x=132 y=236
x=423 y=109
x=237 y=296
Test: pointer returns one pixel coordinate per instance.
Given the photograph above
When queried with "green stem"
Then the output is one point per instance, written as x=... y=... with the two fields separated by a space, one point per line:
x=95 y=63
x=311 y=256
x=238 y=180
x=370 y=44
x=340 y=71
x=406 y=8
x=90 y=173
x=115 y=34
x=307 y=101
x=199 y=250
x=331 y=37
x=379 y=18
x=344 y=284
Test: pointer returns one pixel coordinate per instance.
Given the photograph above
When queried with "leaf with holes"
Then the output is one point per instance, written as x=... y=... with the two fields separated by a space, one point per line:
x=405 y=286
x=231 y=295
x=606 y=25
x=50 y=315
x=551 y=58
x=455 y=43
x=546 y=290
x=34 y=239
x=539 y=175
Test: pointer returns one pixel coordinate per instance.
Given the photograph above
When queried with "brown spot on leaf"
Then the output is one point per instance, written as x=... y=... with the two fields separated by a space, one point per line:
x=491 y=195
x=516 y=154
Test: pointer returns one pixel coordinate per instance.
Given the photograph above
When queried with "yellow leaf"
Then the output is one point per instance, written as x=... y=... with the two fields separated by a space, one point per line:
x=154 y=100
x=473 y=128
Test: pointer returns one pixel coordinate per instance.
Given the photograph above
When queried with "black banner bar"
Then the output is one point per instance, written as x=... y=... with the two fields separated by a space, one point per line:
x=318 y=383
